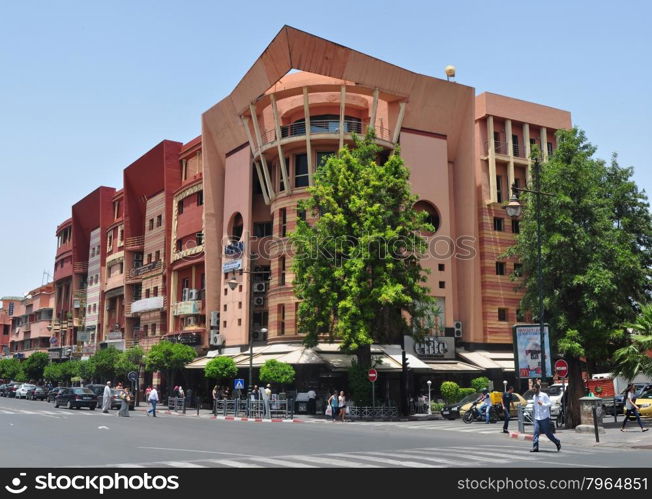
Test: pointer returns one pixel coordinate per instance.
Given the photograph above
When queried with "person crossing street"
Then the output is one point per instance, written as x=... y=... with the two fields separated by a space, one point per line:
x=106 y=398
x=152 y=399
x=542 y=422
x=508 y=400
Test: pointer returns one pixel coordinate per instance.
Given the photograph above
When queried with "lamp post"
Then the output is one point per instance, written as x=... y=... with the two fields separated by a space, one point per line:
x=514 y=210
x=429 y=405
x=504 y=386
x=233 y=283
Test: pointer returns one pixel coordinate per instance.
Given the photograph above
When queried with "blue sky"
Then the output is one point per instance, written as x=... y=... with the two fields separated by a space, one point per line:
x=88 y=87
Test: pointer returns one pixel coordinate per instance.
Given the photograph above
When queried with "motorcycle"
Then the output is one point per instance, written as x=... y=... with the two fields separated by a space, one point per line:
x=474 y=414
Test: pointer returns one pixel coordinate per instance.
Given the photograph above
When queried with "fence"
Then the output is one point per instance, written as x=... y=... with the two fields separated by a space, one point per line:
x=268 y=409
x=369 y=412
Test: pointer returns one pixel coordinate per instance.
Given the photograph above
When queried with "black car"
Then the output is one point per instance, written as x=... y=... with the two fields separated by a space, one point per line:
x=37 y=393
x=98 y=390
x=76 y=397
x=452 y=411
x=53 y=393
x=2 y=389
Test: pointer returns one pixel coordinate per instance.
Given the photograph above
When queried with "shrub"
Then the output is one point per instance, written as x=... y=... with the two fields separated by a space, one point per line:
x=220 y=368
x=436 y=406
x=273 y=371
x=449 y=391
x=480 y=383
x=465 y=392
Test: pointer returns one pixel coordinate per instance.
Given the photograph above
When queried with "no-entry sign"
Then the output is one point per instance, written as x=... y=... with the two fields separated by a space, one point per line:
x=373 y=375
x=561 y=368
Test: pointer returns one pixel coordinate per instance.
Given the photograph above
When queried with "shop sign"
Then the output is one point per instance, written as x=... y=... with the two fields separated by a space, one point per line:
x=435 y=347
x=186 y=308
x=231 y=266
x=114 y=335
x=84 y=336
x=234 y=250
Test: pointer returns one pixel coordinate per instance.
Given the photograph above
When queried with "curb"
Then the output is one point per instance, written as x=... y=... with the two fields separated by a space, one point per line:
x=521 y=436
x=256 y=420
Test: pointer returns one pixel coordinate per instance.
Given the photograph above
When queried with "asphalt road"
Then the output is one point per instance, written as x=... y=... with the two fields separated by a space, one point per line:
x=35 y=434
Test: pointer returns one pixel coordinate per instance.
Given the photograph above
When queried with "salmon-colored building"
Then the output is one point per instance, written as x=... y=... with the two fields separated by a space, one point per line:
x=8 y=309
x=31 y=321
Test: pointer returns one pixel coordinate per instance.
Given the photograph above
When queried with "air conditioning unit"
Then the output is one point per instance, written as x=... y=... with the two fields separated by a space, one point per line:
x=191 y=321
x=457 y=327
x=259 y=287
x=216 y=339
x=184 y=294
x=193 y=294
x=259 y=336
x=259 y=301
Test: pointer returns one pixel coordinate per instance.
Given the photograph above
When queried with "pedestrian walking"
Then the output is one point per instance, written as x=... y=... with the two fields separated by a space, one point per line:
x=542 y=423
x=125 y=398
x=147 y=392
x=267 y=393
x=334 y=404
x=508 y=400
x=106 y=398
x=341 y=402
x=152 y=398
x=632 y=408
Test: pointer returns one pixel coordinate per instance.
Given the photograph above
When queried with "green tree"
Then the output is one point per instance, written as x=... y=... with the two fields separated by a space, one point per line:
x=104 y=364
x=480 y=383
x=87 y=370
x=359 y=384
x=129 y=360
x=52 y=372
x=595 y=226
x=450 y=391
x=274 y=371
x=357 y=267
x=220 y=369
x=633 y=359
x=169 y=357
x=35 y=364
x=9 y=368
x=69 y=369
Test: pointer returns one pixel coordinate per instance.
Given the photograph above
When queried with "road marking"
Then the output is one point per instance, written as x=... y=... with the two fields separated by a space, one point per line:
x=51 y=412
x=126 y=465
x=196 y=450
x=563 y=451
x=7 y=412
x=378 y=459
x=281 y=462
x=23 y=411
x=425 y=458
x=492 y=453
x=329 y=460
x=233 y=464
x=182 y=464
x=456 y=453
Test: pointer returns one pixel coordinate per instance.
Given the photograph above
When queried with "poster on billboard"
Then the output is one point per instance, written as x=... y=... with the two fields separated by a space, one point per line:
x=527 y=351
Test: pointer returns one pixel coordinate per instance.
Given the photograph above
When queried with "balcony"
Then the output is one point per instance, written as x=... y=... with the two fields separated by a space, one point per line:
x=144 y=269
x=321 y=128
x=135 y=243
x=147 y=305
x=80 y=267
x=191 y=307
x=502 y=149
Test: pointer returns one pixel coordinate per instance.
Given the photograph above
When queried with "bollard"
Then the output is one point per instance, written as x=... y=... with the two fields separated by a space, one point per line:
x=521 y=419
x=291 y=402
x=615 y=412
x=184 y=404
x=595 y=424
x=198 y=405
x=215 y=407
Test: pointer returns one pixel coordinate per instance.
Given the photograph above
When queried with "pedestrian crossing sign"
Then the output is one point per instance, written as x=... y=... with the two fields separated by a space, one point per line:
x=238 y=384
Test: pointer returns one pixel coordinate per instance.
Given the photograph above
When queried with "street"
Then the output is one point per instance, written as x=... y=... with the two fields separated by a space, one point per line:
x=35 y=434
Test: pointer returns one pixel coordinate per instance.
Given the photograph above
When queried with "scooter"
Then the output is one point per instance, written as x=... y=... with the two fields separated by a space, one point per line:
x=474 y=414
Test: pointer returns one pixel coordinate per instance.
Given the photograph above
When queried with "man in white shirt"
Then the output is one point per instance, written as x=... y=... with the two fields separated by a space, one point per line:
x=106 y=398
x=542 y=422
x=152 y=399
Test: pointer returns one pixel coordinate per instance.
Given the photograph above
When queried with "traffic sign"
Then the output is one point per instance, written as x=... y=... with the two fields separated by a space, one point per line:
x=132 y=376
x=561 y=368
x=238 y=384
x=373 y=375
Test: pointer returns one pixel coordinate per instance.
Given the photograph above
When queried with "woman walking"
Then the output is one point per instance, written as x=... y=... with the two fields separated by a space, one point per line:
x=125 y=398
x=341 y=400
x=333 y=402
x=632 y=408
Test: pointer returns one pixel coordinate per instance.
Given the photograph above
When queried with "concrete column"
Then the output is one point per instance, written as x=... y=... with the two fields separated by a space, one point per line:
x=254 y=121
x=399 y=122
x=510 y=152
x=306 y=114
x=528 y=151
x=281 y=156
x=342 y=108
x=544 y=144
x=173 y=298
x=262 y=182
x=493 y=191
x=374 y=109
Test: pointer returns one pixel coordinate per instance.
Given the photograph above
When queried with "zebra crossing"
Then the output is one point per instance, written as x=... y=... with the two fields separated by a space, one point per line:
x=427 y=457
x=447 y=426
x=59 y=413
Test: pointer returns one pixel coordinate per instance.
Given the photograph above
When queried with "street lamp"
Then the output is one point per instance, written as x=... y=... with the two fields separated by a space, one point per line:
x=429 y=405
x=514 y=210
x=233 y=283
x=505 y=386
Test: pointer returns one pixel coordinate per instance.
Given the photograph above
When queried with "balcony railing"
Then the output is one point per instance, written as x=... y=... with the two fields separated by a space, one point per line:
x=134 y=242
x=324 y=127
x=192 y=307
x=144 y=269
x=80 y=267
x=147 y=304
x=518 y=150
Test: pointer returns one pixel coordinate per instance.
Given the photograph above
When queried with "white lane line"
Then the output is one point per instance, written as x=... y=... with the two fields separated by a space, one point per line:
x=563 y=450
x=182 y=464
x=489 y=453
x=406 y=455
x=456 y=453
x=126 y=465
x=281 y=462
x=197 y=451
x=329 y=460
x=51 y=412
x=233 y=464
x=23 y=411
x=395 y=462
x=7 y=412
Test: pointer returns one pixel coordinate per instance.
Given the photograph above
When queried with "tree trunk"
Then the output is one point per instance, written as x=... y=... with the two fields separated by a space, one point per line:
x=363 y=354
x=575 y=391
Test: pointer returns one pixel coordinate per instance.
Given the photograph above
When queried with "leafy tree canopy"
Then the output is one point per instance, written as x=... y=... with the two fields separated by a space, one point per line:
x=220 y=368
x=9 y=368
x=167 y=355
x=273 y=371
x=35 y=364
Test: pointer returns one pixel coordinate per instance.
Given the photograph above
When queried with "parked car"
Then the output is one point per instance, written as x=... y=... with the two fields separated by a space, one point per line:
x=496 y=398
x=555 y=392
x=644 y=403
x=640 y=388
x=2 y=389
x=452 y=411
x=21 y=391
x=37 y=393
x=98 y=390
x=10 y=390
x=53 y=393
x=76 y=397
x=116 y=400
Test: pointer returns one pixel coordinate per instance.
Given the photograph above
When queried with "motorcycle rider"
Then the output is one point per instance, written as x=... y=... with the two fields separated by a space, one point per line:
x=484 y=401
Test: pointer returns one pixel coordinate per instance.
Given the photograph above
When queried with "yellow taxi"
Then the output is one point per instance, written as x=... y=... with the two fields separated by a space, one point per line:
x=644 y=403
x=497 y=398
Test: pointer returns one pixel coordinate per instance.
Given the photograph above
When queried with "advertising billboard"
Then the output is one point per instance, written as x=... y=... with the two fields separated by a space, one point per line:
x=527 y=351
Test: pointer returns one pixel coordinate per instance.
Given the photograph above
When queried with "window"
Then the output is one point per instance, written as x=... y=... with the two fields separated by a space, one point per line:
x=516 y=226
x=280 y=175
x=500 y=268
x=282 y=271
x=301 y=214
x=94 y=307
x=499 y=224
x=515 y=145
x=239 y=305
x=263 y=229
x=239 y=322
x=145 y=329
x=109 y=243
x=200 y=198
x=153 y=329
x=281 y=320
x=151 y=224
x=283 y=217
x=497 y=141
x=122 y=267
x=518 y=269
x=533 y=142
x=159 y=220
x=179 y=244
x=199 y=238
x=90 y=309
x=225 y=307
x=116 y=210
x=442 y=284
x=224 y=324
x=432 y=215
x=202 y=280
x=502 y=314
x=155 y=291
x=147 y=293
x=322 y=157
x=549 y=144
x=226 y=291
x=180 y=207
x=499 y=188
x=149 y=258
x=441 y=267
x=121 y=236
x=301 y=170
x=184 y=169
x=92 y=252
x=185 y=283
x=157 y=255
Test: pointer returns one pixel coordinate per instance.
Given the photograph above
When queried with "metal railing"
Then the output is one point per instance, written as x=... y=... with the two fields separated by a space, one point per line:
x=518 y=150
x=144 y=269
x=324 y=126
x=259 y=409
x=134 y=242
x=369 y=412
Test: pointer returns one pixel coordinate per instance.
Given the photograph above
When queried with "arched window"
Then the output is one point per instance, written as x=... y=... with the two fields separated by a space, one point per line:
x=432 y=216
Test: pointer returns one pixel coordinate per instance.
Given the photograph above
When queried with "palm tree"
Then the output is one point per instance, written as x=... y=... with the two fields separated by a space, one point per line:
x=636 y=358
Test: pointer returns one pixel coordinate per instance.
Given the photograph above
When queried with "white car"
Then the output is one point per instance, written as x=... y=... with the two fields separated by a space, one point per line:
x=21 y=391
x=555 y=392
